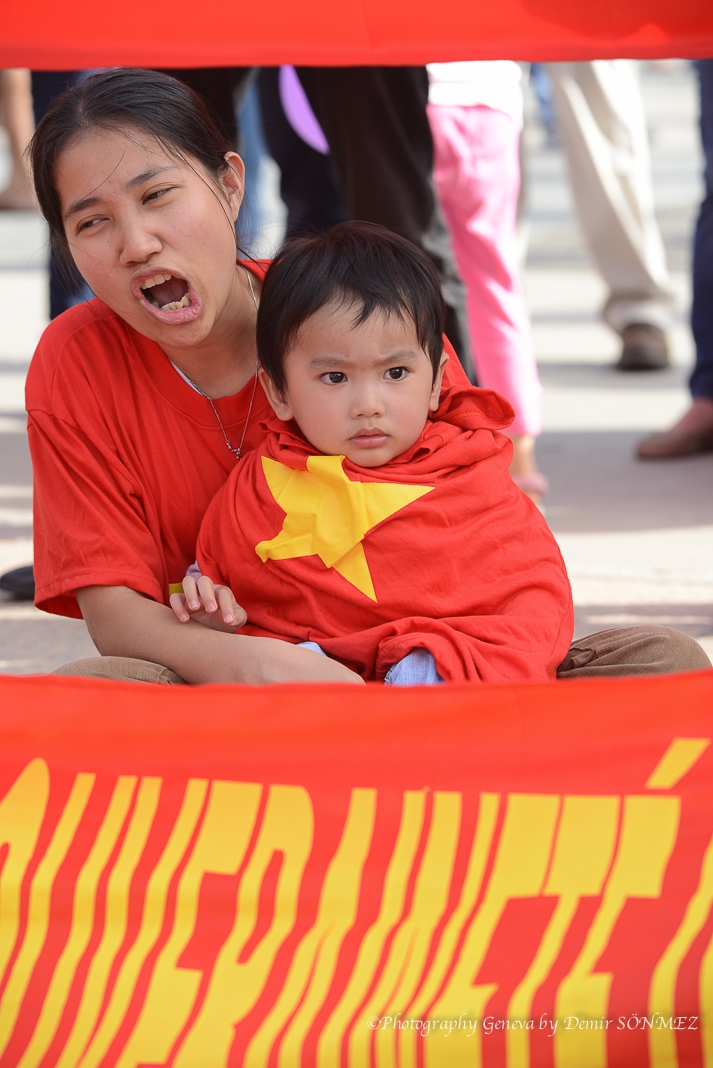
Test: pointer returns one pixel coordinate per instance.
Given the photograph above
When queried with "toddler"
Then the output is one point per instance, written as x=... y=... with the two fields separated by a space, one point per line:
x=377 y=522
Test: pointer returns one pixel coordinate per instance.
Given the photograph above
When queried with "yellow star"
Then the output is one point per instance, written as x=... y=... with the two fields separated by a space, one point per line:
x=328 y=515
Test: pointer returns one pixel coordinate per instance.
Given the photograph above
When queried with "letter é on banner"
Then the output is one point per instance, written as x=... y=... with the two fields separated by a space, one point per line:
x=648 y=835
x=287 y=827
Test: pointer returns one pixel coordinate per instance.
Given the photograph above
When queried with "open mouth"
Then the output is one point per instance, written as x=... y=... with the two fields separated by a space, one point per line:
x=166 y=292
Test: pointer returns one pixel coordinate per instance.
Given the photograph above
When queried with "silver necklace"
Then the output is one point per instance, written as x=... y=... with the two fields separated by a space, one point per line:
x=237 y=453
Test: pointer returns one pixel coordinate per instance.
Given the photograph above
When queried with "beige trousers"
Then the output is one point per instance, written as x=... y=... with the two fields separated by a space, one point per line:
x=610 y=653
x=604 y=137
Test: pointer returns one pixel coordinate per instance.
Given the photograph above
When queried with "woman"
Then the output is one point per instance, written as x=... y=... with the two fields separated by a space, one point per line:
x=140 y=194
x=141 y=401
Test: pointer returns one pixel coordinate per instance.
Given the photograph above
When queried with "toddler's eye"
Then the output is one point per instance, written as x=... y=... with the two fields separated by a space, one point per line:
x=333 y=378
x=395 y=374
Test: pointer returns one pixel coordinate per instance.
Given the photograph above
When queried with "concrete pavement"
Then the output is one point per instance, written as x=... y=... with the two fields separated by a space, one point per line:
x=637 y=537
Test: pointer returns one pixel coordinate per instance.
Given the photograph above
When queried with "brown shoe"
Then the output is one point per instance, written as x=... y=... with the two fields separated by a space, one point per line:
x=645 y=348
x=673 y=443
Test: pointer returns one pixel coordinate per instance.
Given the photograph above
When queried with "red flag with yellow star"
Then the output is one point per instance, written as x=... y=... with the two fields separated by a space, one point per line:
x=437 y=549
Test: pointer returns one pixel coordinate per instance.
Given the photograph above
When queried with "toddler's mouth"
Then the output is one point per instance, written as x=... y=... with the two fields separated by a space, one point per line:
x=369 y=438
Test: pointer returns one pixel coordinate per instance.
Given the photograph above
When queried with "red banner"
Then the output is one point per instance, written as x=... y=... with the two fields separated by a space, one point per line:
x=80 y=34
x=504 y=875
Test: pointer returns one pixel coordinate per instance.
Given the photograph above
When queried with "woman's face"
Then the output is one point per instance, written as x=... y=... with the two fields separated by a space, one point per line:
x=152 y=236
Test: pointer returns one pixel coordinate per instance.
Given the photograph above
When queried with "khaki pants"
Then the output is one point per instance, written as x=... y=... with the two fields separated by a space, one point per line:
x=604 y=138
x=608 y=654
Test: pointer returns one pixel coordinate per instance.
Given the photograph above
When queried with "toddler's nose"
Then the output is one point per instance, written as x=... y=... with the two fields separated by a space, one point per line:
x=368 y=403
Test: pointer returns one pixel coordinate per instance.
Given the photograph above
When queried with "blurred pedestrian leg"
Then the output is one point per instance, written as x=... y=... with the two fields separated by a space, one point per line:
x=307 y=184
x=694 y=432
x=16 y=116
x=476 y=111
x=381 y=148
x=702 y=310
x=604 y=137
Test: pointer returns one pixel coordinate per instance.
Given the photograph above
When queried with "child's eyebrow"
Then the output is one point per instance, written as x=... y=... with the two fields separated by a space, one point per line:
x=329 y=361
x=341 y=360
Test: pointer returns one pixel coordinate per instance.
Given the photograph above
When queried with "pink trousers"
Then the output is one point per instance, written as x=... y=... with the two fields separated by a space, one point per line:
x=477 y=173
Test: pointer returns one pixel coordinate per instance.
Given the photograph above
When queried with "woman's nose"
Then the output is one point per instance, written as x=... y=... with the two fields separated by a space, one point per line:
x=137 y=242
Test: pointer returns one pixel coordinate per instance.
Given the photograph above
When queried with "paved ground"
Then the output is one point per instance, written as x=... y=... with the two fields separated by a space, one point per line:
x=637 y=538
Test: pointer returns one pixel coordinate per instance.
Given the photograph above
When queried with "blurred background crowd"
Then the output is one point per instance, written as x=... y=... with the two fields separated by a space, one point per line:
x=569 y=211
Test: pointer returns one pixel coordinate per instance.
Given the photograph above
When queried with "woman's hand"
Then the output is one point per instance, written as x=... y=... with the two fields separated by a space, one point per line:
x=122 y=622
x=204 y=602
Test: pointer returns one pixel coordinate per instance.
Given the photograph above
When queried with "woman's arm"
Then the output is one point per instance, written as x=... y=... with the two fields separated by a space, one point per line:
x=122 y=622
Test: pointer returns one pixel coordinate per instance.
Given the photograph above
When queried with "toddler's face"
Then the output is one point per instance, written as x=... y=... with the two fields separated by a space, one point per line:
x=362 y=392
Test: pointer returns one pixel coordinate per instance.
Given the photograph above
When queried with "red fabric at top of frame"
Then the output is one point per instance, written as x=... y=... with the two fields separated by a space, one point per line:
x=81 y=34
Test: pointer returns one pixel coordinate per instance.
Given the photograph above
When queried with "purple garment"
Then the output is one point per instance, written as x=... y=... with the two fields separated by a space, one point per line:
x=298 y=111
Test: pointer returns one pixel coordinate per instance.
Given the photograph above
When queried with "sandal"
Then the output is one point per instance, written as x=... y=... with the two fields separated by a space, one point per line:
x=673 y=443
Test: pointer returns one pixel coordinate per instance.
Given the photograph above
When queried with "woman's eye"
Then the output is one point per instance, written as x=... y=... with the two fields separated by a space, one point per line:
x=157 y=193
x=334 y=378
x=87 y=224
x=395 y=374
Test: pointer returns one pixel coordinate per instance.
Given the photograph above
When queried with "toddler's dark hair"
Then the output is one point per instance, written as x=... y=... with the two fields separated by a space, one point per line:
x=356 y=265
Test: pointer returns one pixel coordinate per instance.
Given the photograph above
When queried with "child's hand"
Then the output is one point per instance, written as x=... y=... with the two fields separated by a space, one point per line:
x=213 y=606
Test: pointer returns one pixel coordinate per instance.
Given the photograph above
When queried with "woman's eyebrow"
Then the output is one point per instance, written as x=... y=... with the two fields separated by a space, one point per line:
x=138 y=179
x=146 y=176
x=80 y=205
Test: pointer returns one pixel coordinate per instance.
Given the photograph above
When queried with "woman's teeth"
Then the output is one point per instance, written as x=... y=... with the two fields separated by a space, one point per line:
x=149 y=283
x=175 y=304
x=157 y=280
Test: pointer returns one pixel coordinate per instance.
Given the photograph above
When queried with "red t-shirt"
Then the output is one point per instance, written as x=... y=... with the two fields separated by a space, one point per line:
x=437 y=549
x=126 y=456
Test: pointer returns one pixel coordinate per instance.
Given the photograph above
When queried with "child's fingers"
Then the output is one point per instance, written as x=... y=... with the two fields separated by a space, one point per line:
x=229 y=607
x=178 y=604
x=190 y=590
x=206 y=592
x=226 y=603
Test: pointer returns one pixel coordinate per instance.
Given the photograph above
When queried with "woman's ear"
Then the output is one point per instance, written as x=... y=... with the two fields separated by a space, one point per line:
x=278 y=401
x=437 y=382
x=232 y=181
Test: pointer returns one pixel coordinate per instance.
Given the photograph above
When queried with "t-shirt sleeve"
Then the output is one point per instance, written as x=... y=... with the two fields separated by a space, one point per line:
x=217 y=537
x=90 y=523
